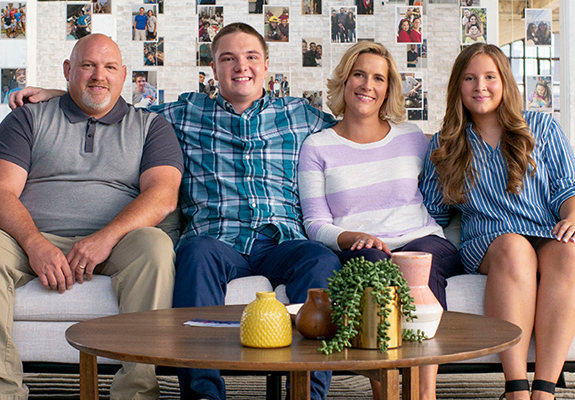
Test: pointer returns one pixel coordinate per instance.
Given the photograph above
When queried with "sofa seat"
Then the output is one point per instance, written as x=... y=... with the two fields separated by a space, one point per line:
x=41 y=316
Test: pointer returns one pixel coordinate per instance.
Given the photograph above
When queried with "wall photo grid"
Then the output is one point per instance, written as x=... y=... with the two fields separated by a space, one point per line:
x=324 y=29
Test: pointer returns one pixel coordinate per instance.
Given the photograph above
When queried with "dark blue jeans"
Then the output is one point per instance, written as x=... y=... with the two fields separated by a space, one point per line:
x=204 y=267
x=445 y=262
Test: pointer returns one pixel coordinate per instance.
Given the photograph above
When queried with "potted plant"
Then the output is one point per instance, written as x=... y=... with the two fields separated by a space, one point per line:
x=385 y=283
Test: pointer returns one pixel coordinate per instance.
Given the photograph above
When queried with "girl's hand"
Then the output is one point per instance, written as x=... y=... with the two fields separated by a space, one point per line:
x=564 y=230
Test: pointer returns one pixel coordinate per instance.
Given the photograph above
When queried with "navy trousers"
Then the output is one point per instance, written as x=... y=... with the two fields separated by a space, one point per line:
x=204 y=267
x=445 y=262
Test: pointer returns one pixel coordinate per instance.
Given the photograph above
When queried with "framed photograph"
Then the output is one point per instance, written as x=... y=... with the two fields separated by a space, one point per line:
x=312 y=52
x=101 y=6
x=538 y=24
x=144 y=88
x=364 y=7
x=12 y=81
x=411 y=88
x=207 y=84
x=311 y=7
x=413 y=55
x=154 y=53
x=409 y=24
x=78 y=21
x=204 y=55
x=256 y=6
x=343 y=25
x=13 y=20
x=277 y=84
x=276 y=24
x=539 y=93
x=210 y=21
x=144 y=22
x=314 y=97
x=419 y=115
x=473 y=25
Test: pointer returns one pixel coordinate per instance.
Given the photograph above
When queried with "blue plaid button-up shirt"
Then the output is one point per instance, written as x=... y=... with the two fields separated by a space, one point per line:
x=240 y=174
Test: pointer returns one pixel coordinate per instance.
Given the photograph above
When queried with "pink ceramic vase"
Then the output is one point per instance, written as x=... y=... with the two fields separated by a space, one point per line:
x=416 y=267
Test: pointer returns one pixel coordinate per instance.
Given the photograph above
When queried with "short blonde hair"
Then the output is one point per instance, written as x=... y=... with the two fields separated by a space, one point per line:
x=393 y=108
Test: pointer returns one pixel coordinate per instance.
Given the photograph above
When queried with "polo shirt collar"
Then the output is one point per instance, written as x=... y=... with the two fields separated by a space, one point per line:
x=258 y=105
x=75 y=114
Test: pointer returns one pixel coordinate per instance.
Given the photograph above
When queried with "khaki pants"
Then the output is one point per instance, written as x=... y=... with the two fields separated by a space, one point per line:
x=142 y=270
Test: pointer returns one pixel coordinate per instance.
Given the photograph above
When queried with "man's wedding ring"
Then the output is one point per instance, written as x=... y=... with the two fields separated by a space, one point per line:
x=81 y=266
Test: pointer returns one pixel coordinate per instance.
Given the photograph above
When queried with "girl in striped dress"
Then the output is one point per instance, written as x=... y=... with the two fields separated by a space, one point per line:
x=511 y=174
x=358 y=181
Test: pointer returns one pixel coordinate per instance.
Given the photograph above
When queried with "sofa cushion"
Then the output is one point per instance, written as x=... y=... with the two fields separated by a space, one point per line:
x=92 y=299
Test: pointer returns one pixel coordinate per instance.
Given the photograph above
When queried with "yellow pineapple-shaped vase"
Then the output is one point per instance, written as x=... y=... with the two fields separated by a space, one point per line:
x=265 y=323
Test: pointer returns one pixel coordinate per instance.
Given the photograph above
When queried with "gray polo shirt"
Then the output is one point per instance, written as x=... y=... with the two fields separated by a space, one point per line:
x=81 y=171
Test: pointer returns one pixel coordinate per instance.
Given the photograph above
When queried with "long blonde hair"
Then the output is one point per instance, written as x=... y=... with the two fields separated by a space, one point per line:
x=393 y=108
x=453 y=157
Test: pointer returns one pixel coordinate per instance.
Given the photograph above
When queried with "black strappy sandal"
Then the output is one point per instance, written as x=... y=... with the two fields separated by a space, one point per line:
x=544 y=386
x=517 y=385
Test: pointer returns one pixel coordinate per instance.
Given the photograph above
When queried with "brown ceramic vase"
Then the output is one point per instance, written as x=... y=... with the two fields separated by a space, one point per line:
x=313 y=320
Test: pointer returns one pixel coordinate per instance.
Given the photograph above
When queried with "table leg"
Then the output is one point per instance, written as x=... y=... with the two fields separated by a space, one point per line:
x=410 y=383
x=88 y=377
x=299 y=385
x=389 y=379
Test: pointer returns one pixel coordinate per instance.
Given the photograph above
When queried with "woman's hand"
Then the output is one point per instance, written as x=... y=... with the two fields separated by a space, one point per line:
x=564 y=230
x=359 y=240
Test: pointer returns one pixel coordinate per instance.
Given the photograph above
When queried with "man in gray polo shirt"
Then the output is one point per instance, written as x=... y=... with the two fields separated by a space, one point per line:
x=84 y=179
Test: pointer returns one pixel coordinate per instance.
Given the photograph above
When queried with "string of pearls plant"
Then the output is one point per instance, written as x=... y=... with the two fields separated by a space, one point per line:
x=346 y=288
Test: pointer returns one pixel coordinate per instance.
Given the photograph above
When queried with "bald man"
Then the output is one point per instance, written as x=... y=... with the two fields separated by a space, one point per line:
x=76 y=199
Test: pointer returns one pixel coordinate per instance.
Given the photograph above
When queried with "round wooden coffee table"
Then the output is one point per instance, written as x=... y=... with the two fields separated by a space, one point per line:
x=161 y=338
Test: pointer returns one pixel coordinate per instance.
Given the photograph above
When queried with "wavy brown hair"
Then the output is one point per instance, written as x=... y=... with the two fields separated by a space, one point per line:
x=454 y=155
x=393 y=108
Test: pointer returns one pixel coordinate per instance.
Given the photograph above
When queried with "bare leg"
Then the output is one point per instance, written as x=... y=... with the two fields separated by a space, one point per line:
x=555 y=315
x=511 y=267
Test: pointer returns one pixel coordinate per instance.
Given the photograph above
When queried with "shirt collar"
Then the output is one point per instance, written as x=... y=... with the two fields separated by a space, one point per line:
x=258 y=105
x=75 y=114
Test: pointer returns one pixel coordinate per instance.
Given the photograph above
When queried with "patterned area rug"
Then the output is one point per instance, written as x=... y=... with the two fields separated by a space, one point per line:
x=449 y=386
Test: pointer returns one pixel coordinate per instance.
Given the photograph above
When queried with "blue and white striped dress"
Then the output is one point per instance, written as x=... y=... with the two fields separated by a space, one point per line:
x=490 y=211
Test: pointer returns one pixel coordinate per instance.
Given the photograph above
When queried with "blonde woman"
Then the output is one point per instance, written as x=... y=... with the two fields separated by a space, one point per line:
x=358 y=181
x=512 y=176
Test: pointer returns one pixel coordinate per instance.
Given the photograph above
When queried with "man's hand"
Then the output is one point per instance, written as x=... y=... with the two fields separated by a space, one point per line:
x=49 y=263
x=32 y=94
x=88 y=253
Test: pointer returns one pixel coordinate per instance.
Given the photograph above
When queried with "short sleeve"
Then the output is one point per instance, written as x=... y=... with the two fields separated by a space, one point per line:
x=161 y=146
x=16 y=137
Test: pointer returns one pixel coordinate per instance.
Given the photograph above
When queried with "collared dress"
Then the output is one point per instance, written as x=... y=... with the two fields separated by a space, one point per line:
x=490 y=211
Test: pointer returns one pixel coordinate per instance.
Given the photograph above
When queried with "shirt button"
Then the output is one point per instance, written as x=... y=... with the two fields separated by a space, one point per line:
x=90 y=135
x=254 y=205
x=247 y=157
x=249 y=178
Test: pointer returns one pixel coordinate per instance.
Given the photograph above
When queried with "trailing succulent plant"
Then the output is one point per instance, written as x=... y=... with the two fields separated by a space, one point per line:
x=346 y=289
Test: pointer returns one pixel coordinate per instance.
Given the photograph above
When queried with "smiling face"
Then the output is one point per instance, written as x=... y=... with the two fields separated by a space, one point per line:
x=405 y=25
x=141 y=83
x=96 y=74
x=366 y=86
x=416 y=23
x=473 y=19
x=482 y=87
x=20 y=77
x=240 y=66
x=540 y=90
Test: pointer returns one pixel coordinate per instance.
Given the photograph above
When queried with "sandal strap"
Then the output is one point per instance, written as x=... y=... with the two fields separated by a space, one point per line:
x=544 y=386
x=517 y=385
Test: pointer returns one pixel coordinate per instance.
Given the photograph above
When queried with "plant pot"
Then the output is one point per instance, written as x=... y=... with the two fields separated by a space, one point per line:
x=369 y=322
x=416 y=267
x=265 y=323
x=313 y=319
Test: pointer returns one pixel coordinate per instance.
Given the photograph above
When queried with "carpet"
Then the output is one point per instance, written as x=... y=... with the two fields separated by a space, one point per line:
x=449 y=387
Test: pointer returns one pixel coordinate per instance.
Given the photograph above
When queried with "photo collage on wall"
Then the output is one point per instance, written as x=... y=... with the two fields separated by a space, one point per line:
x=276 y=28
x=277 y=84
x=13 y=20
x=473 y=25
x=343 y=24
